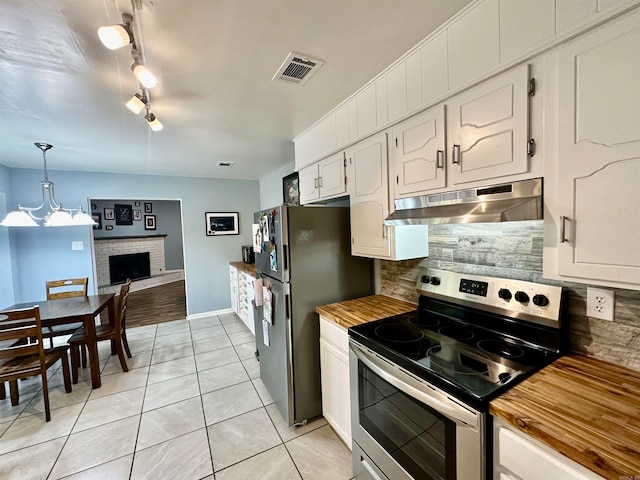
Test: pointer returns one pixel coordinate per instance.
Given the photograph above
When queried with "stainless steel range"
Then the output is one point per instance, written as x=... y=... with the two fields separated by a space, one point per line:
x=421 y=382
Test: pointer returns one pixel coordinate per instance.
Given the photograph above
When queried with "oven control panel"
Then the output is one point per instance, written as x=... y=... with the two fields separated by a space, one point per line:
x=536 y=302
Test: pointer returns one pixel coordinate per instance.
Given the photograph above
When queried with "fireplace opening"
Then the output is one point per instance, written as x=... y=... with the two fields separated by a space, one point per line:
x=131 y=265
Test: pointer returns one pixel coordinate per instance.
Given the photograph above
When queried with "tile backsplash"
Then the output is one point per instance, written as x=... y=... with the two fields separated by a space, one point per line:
x=514 y=250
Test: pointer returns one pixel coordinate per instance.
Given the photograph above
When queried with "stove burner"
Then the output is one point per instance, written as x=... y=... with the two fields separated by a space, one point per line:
x=423 y=321
x=501 y=348
x=399 y=333
x=458 y=333
x=459 y=360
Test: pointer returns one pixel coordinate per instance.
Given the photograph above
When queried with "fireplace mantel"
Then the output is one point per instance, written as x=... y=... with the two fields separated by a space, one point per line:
x=129 y=237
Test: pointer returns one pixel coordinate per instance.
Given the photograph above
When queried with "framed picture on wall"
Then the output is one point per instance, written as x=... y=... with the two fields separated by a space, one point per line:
x=148 y=207
x=136 y=203
x=149 y=222
x=97 y=217
x=109 y=214
x=291 y=189
x=137 y=215
x=124 y=214
x=108 y=227
x=221 y=223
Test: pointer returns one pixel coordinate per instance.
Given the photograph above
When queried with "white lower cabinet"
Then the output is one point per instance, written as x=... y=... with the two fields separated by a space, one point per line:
x=593 y=195
x=233 y=286
x=241 y=289
x=334 y=374
x=519 y=457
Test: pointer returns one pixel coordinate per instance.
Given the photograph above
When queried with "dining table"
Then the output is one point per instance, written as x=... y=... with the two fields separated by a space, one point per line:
x=73 y=310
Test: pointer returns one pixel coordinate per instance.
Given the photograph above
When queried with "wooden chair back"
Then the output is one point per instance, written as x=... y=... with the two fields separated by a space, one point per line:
x=121 y=311
x=72 y=287
x=18 y=329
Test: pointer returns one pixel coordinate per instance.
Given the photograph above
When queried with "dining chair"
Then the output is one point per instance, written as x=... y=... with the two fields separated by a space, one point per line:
x=57 y=289
x=113 y=331
x=22 y=357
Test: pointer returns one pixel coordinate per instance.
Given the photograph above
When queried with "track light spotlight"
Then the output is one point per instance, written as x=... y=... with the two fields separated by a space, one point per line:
x=144 y=75
x=154 y=123
x=136 y=103
x=117 y=36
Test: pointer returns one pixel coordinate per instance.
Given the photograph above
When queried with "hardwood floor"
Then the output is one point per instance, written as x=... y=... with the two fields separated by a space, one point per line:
x=157 y=304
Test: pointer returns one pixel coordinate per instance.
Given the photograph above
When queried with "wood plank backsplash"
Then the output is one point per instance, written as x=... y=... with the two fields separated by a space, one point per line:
x=514 y=250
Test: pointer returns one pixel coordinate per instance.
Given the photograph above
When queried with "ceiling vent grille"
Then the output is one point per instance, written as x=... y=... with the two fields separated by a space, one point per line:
x=297 y=69
x=225 y=164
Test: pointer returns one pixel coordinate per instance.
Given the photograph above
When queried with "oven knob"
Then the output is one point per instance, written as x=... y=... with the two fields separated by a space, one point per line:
x=424 y=279
x=522 y=297
x=435 y=281
x=505 y=294
x=540 y=300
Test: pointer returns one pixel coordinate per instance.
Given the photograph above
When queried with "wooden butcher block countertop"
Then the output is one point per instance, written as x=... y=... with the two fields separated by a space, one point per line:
x=249 y=268
x=586 y=409
x=363 y=310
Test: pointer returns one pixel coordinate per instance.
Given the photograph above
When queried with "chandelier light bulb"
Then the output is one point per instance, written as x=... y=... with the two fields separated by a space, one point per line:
x=144 y=75
x=18 y=218
x=59 y=218
x=115 y=36
x=136 y=103
x=81 y=218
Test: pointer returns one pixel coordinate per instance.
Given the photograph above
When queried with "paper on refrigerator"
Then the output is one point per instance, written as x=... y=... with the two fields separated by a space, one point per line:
x=257 y=292
x=265 y=332
x=267 y=310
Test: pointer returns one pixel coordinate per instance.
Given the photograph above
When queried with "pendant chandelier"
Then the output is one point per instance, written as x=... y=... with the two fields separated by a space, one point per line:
x=50 y=212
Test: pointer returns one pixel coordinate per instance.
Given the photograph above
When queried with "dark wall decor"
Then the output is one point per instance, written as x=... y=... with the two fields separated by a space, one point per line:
x=291 y=189
x=221 y=223
x=148 y=208
x=124 y=214
x=149 y=222
x=97 y=217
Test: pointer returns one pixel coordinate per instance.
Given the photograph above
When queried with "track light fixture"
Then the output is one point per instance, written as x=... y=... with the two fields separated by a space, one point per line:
x=120 y=35
x=117 y=36
x=137 y=103
x=154 y=123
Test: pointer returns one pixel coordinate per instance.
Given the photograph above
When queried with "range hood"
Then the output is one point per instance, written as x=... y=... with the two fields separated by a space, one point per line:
x=506 y=202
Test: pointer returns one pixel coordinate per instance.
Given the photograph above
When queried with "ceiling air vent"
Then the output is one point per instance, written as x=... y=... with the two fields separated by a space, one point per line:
x=297 y=69
x=225 y=164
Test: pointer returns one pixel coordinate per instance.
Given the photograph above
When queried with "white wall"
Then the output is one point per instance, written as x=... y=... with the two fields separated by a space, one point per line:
x=271 y=187
x=44 y=253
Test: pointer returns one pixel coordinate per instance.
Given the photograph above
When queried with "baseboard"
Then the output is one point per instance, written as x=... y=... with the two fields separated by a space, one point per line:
x=209 y=314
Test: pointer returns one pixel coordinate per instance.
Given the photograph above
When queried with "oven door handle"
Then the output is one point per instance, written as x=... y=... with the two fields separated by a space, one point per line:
x=451 y=410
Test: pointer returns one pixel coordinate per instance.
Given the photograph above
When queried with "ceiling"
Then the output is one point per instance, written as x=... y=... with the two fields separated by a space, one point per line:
x=214 y=60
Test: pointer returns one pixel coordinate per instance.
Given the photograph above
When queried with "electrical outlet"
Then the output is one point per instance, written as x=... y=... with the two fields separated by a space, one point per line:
x=600 y=303
x=77 y=246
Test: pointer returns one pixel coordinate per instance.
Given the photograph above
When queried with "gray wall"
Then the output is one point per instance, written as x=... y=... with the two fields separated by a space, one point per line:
x=514 y=250
x=43 y=253
x=168 y=222
x=6 y=269
x=271 y=187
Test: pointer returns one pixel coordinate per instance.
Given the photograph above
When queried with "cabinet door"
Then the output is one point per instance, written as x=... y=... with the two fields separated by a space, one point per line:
x=336 y=404
x=369 y=197
x=488 y=129
x=525 y=25
x=366 y=111
x=308 y=184
x=233 y=286
x=418 y=153
x=331 y=173
x=474 y=44
x=599 y=154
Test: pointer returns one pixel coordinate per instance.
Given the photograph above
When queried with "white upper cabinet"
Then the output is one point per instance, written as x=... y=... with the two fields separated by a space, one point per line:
x=342 y=125
x=366 y=118
x=571 y=13
x=418 y=146
x=397 y=91
x=474 y=43
x=523 y=25
x=596 y=197
x=323 y=180
x=369 y=197
x=435 y=70
x=488 y=129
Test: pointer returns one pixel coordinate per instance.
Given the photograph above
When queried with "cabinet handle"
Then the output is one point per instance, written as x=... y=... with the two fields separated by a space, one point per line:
x=456 y=154
x=320 y=182
x=315 y=183
x=439 y=158
x=397 y=179
x=563 y=229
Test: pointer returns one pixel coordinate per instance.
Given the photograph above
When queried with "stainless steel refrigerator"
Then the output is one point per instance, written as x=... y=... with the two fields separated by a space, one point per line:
x=305 y=262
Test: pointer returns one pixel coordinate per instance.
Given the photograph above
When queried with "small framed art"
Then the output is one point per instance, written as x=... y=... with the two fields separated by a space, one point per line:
x=221 y=223
x=124 y=214
x=149 y=222
x=148 y=207
x=109 y=214
x=137 y=215
x=97 y=217
x=291 y=189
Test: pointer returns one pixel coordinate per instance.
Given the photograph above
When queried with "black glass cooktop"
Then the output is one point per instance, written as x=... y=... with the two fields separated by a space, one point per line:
x=471 y=362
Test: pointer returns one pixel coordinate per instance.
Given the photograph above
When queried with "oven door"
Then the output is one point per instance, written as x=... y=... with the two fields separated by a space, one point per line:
x=405 y=428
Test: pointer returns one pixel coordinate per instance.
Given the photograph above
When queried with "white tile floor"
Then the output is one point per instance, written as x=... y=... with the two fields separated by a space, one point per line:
x=192 y=406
